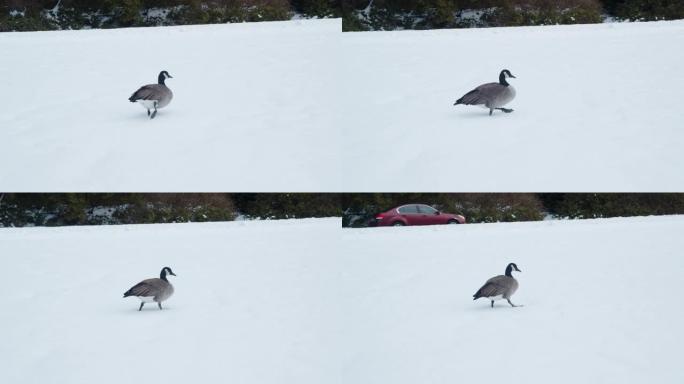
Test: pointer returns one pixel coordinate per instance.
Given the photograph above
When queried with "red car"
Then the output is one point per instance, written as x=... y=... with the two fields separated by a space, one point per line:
x=415 y=214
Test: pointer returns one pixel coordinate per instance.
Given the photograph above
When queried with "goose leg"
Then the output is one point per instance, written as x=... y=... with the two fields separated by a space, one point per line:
x=159 y=305
x=513 y=305
x=141 y=305
x=155 y=111
x=507 y=110
x=490 y=111
x=148 y=112
x=492 y=303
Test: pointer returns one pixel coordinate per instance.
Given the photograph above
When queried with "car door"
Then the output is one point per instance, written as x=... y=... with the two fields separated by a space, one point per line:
x=410 y=214
x=429 y=215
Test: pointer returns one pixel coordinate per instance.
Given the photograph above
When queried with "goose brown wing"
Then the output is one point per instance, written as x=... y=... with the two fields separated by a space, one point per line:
x=479 y=95
x=144 y=288
x=493 y=287
x=146 y=92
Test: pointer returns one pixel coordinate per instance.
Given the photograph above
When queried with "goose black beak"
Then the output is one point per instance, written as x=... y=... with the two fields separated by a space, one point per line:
x=513 y=76
x=172 y=273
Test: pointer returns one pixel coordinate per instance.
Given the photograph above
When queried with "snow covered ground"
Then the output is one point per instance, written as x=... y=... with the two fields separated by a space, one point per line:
x=252 y=303
x=305 y=301
x=300 y=106
x=600 y=303
x=597 y=109
x=252 y=109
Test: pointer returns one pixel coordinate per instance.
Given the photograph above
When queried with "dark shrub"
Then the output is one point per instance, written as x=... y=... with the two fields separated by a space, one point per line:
x=595 y=205
x=430 y=14
x=96 y=208
x=646 y=10
x=288 y=205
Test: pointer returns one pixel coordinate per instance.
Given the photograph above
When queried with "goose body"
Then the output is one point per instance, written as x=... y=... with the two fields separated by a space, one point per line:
x=153 y=96
x=500 y=287
x=154 y=290
x=491 y=95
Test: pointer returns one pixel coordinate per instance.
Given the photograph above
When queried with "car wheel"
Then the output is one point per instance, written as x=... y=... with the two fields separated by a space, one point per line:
x=397 y=224
x=452 y=221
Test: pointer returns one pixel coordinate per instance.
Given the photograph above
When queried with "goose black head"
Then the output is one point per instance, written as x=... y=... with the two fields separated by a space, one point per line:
x=505 y=74
x=164 y=271
x=163 y=75
x=511 y=267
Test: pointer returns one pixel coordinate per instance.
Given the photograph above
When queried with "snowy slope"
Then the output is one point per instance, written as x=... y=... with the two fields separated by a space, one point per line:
x=304 y=301
x=251 y=109
x=252 y=304
x=597 y=109
x=299 y=106
x=601 y=303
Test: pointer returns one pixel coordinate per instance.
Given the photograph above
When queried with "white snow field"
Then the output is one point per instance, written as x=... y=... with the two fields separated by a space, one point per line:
x=601 y=303
x=252 y=109
x=597 y=109
x=252 y=303
x=304 y=301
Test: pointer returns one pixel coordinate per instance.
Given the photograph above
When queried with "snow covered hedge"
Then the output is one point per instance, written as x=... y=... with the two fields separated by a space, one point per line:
x=645 y=10
x=56 y=209
x=43 y=209
x=30 y=15
x=598 y=205
x=431 y=14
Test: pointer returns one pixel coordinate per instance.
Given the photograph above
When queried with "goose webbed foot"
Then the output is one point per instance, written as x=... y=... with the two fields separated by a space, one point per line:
x=506 y=110
x=141 y=305
x=513 y=305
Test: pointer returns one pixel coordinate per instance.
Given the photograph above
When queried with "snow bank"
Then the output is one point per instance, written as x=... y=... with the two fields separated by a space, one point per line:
x=251 y=109
x=597 y=109
x=252 y=303
x=305 y=301
x=299 y=106
x=598 y=296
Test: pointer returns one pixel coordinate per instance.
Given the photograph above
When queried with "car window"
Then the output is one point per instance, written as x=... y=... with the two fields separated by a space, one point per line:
x=427 y=209
x=407 y=209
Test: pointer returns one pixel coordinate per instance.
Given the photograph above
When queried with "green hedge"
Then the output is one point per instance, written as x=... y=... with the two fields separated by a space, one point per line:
x=645 y=9
x=21 y=209
x=384 y=14
x=39 y=209
x=356 y=209
x=288 y=205
x=596 y=205
x=77 y=14
x=431 y=14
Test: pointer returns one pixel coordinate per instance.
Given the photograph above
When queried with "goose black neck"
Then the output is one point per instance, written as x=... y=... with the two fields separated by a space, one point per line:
x=508 y=271
x=161 y=78
x=502 y=79
x=162 y=275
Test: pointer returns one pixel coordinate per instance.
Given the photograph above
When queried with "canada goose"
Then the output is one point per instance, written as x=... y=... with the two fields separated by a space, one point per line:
x=491 y=95
x=154 y=289
x=153 y=96
x=500 y=287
